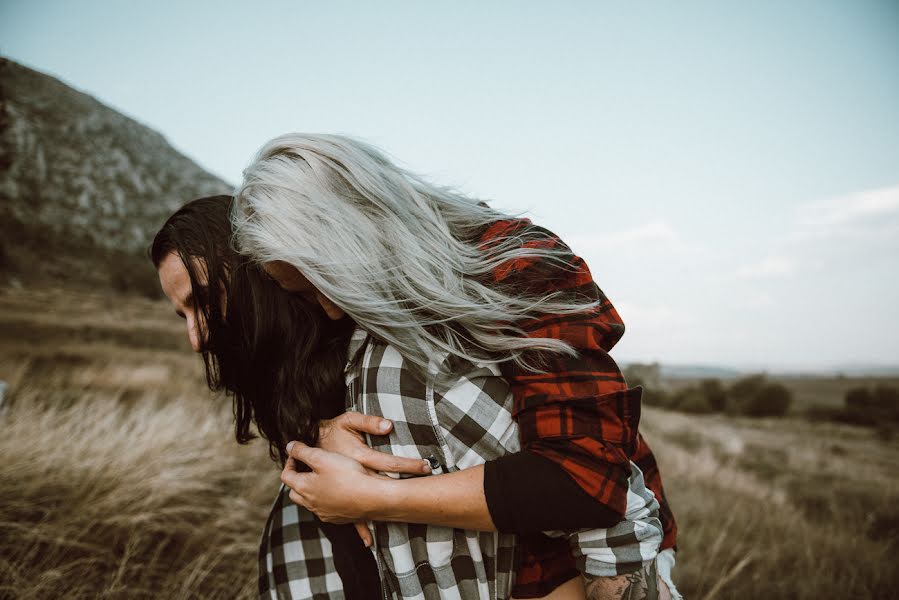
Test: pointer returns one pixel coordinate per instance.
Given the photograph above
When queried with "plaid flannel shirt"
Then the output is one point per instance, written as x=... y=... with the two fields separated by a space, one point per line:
x=454 y=422
x=579 y=413
x=296 y=561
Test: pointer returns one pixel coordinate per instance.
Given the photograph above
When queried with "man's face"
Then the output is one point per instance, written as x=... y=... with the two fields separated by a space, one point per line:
x=291 y=280
x=176 y=286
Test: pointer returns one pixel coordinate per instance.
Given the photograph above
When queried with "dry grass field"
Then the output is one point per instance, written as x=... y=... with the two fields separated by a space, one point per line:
x=120 y=477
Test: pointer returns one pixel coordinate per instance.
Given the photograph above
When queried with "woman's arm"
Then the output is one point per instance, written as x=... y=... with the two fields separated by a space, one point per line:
x=340 y=490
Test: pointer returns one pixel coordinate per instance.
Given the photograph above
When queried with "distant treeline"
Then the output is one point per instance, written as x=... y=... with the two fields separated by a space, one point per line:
x=757 y=396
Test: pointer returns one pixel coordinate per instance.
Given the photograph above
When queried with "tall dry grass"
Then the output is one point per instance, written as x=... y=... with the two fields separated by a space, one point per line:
x=779 y=508
x=119 y=476
x=141 y=500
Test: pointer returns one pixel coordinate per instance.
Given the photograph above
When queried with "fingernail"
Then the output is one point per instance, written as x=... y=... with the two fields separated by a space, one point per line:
x=385 y=425
x=426 y=468
x=289 y=446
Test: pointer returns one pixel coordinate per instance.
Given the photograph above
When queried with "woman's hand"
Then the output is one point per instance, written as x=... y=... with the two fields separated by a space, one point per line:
x=344 y=435
x=338 y=490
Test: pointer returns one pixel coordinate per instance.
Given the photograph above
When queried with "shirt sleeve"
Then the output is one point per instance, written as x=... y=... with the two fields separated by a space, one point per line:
x=578 y=412
x=519 y=506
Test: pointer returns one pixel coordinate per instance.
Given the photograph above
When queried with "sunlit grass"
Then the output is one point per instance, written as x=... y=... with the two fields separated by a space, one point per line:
x=120 y=478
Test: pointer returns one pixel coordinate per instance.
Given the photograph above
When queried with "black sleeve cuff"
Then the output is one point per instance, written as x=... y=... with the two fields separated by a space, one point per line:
x=527 y=493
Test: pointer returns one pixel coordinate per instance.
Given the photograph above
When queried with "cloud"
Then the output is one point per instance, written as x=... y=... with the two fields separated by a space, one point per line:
x=851 y=208
x=653 y=236
x=770 y=266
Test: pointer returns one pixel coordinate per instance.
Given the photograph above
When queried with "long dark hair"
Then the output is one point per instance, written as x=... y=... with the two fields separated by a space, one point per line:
x=279 y=357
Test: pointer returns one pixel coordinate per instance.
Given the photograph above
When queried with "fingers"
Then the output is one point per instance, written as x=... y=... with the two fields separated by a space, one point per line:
x=293 y=479
x=379 y=461
x=364 y=534
x=365 y=423
x=298 y=499
x=303 y=453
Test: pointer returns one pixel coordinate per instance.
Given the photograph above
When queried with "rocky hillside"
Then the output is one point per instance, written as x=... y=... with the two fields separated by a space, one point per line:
x=82 y=187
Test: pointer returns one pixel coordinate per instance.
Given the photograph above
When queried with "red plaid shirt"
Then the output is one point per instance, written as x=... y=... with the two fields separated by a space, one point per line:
x=579 y=413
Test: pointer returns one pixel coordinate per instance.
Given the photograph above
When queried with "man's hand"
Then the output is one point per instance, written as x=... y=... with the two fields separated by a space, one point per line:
x=344 y=435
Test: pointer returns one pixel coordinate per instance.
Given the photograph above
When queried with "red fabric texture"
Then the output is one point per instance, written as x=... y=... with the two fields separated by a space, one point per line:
x=579 y=413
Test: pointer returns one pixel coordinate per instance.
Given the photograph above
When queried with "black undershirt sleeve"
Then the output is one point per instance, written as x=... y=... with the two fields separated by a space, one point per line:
x=528 y=493
x=354 y=562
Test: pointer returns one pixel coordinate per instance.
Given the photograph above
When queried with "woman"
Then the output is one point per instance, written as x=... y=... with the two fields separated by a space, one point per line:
x=191 y=252
x=431 y=273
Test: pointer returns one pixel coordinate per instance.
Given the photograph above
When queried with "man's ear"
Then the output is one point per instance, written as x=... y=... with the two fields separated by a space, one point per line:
x=334 y=312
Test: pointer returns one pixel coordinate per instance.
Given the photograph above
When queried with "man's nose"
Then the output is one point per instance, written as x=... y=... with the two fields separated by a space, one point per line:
x=193 y=335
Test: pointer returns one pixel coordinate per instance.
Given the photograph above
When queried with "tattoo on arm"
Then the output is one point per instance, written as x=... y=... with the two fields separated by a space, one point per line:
x=639 y=585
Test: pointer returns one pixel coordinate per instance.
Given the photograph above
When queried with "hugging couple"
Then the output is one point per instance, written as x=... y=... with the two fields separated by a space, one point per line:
x=432 y=376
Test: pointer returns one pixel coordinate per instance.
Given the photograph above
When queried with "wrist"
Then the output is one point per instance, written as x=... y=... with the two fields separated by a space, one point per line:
x=384 y=499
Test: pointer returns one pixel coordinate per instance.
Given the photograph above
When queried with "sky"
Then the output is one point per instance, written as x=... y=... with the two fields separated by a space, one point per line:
x=729 y=170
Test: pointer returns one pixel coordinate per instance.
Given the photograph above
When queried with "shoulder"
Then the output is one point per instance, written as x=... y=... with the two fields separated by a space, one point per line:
x=386 y=370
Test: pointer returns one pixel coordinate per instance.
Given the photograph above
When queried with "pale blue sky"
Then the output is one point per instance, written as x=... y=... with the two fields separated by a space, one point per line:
x=730 y=170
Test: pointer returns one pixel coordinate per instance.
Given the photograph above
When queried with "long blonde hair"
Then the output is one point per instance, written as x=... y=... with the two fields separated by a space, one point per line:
x=400 y=255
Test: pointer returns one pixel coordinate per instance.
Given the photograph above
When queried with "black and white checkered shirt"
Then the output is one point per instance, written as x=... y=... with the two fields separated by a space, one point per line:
x=454 y=423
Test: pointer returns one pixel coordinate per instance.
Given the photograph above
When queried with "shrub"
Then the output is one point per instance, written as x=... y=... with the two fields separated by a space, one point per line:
x=858 y=397
x=867 y=406
x=747 y=387
x=755 y=396
x=772 y=400
x=693 y=400
x=715 y=394
x=885 y=399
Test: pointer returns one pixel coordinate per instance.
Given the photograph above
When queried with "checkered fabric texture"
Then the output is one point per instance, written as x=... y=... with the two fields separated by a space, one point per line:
x=627 y=546
x=295 y=557
x=457 y=424
x=454 y=423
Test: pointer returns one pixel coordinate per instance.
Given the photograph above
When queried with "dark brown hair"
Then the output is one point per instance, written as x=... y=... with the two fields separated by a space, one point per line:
x=278 y=356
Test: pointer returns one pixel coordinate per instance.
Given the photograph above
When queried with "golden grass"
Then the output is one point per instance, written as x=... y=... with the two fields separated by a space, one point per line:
x=120 y=477
x=778 y=508
x=107 y=499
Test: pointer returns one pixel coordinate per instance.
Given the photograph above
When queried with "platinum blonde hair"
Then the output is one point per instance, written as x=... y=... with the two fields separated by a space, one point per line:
x=400 y=255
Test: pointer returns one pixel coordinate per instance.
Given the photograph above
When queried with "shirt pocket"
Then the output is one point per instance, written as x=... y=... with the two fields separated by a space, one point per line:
x=386 y=387
x=473 y=413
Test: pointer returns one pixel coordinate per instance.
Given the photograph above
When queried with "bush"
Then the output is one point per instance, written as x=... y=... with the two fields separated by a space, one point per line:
x=885 y=399
x=859 y=397
x=772 y=400
x=746 y=387
x=693 y=400
x=715 y=394
x=755 y=396
x=877 y=406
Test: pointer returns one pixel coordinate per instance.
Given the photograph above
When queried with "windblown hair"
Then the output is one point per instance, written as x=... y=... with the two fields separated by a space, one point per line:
x=400 y=255
x=278 y=356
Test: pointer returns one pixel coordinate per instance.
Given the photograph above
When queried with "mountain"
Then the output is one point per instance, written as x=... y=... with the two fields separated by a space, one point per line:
x=82 y=186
